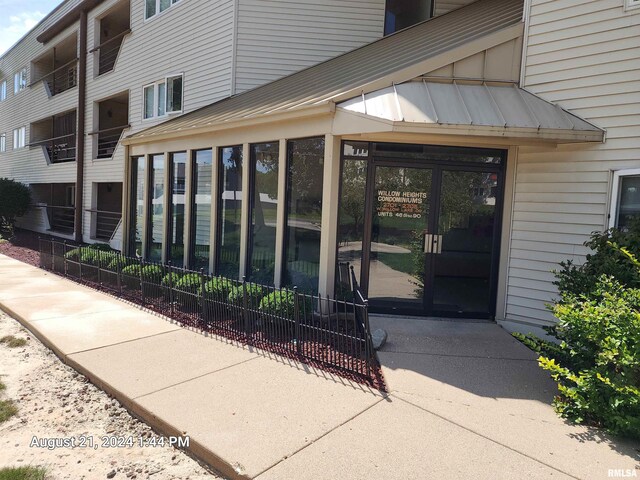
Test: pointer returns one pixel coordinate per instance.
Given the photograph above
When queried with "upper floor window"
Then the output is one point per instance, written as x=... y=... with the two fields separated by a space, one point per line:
x=19 y=138
x=163 y=97
x=631 y=4
x=157 y=6
x=20 y=81
x=401 y=14
x=3 y=142
x=625 y=198
x=3 y=90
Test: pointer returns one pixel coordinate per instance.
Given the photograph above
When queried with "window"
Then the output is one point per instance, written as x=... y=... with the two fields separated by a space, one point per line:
x=20 y=81
x=157 y=6
x=631 y=4
x=304 y=213
x=3 y=142
x=163 y=97
x=138 y=165
x=263 y=204
x=201 y=214
x=625 y=198
x=177 y=205
x=156 y=214
x=19 y=137
x=400 y=14
x=3 y=90
x=229 y=211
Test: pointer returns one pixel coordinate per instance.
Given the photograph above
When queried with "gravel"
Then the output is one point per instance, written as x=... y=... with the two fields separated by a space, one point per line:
x=54 y=401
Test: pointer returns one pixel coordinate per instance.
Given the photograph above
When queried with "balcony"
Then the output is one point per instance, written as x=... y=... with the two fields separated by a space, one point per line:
x=58 y=68
x=57 y=137
x=58 y=200
x=112 y=120
x=114 y=27
x=106 y=210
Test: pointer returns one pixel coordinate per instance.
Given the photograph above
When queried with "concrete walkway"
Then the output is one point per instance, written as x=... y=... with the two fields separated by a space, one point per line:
x=466 y=401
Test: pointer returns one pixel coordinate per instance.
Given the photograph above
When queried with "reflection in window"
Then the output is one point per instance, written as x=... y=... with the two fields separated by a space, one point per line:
x=401 y=14
x=264 y=202
x=137 y=192
x=229 y=211
x=156 y=223
x=351 y=221
x=202 y=164
x=176 y=215
x=629 y=204
x=304 y=213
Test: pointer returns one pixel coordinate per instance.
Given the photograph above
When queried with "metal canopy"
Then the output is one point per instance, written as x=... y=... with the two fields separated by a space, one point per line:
x=506 y=109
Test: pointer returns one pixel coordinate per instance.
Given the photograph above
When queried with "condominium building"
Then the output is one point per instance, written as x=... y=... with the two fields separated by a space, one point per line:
x=452 y=152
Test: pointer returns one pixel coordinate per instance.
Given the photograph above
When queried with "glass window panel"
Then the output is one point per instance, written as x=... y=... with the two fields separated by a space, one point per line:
x=137 y=218
x=178 y=185
x=150 y=8
x=164 y=4
x=629 y=205
x=229 y=213
x=202 y=165
x=264 y=202
x=401 y=14
x=156 y=221
x=351 y=223
x=304 y=213
x=174 y=94
x=437 y=154
x=148 y=101
x=162 y=99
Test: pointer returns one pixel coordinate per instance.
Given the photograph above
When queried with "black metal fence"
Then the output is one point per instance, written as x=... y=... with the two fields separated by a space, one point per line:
x=329 y=333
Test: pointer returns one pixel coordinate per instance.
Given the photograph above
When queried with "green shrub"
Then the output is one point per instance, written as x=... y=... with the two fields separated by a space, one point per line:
x=190 y=283
x=597 y=361
x=73 y=254
x=280 y=303
x=218 y=287
x=605 y=259
x=118 y=261
x=171 y=279
x=15 y=200
x=254 y=294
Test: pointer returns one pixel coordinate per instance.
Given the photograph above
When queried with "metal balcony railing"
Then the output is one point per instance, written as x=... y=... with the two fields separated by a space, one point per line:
x=106 y=223
x=108 y=140
x=61 y=219
x=109 y=50
x=62 y=78
x=59 y=149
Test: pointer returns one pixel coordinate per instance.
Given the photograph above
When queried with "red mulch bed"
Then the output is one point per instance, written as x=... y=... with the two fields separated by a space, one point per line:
x=23 y=246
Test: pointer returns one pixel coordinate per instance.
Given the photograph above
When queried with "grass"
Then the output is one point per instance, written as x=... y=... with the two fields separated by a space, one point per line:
x=401 y=262
x=22 y=473
x=7 y=410
x=13 y=342
x=2 y=387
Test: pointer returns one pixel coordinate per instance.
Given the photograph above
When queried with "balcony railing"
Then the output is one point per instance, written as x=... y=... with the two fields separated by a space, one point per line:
x=109 y=50
x=61 y=219
x=106 y=223
x=108 y=140
x=62 y=78
x=59 y=149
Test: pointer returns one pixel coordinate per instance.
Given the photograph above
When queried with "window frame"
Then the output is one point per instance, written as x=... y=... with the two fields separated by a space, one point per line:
x=631 y=5
x=157 y=10
x=22 y=75
x=21 y=138
x=614 y=199
x=3 y=90
x=3 y=142
x=156 y=98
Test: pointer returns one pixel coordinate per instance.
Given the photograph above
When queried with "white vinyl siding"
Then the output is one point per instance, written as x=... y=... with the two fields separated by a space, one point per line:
x=586 y=58
x=631 y=4
x=276 y=38
x=19 y=138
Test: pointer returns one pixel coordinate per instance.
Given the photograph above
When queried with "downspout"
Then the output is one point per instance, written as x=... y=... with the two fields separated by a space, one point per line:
x=82 y=87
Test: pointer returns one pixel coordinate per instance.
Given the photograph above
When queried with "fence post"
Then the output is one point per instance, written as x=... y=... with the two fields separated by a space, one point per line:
x=296 y=318
x=119 y=273
x=203 y=295
x=368 y=346
x=171 y=309
x=245 y=310
x=99 y=271
x=141 y=263
x=80 y=262
x=65 y=267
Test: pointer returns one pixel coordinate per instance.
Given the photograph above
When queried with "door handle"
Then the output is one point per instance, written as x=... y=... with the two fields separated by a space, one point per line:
x=428 y=243
x=437 y=244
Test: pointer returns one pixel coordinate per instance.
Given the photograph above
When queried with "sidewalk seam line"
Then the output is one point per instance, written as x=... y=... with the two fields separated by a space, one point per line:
x=487 y=438
x=123 y=342
x=320 y=437
x=460 y=356
x=194 y=378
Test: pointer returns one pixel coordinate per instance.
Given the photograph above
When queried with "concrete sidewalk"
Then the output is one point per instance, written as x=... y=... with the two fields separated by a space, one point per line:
x=466 y=399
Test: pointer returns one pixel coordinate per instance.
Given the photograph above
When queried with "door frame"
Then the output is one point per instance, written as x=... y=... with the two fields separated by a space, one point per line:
x=437 y=166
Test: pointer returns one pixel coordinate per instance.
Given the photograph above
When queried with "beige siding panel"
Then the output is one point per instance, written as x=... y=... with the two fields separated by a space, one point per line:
x=584 y=56
x=276 y=38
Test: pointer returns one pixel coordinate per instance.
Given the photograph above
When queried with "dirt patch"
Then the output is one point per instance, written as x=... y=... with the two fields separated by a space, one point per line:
x=55 y=402
x=23 y=246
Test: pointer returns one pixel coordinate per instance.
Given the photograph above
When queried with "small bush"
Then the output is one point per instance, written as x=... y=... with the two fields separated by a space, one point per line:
x=131 y=276
x=7 y=410
x=15 y=200
x=73 y=254
x=171 y=279
x=13 y=342
x=218 y=287
x=188 y=289
x=255 y=293
x=23 y=473
x=280 y=303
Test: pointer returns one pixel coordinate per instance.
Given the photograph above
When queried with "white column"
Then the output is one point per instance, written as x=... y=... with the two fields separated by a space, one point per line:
x=244 y=215
x=281 y=212
x=330 y=204
x=188 y=207
x=215 y=199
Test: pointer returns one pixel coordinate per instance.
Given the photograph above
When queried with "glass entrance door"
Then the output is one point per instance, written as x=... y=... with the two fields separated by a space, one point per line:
x=401 y=217
x=433 y=244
